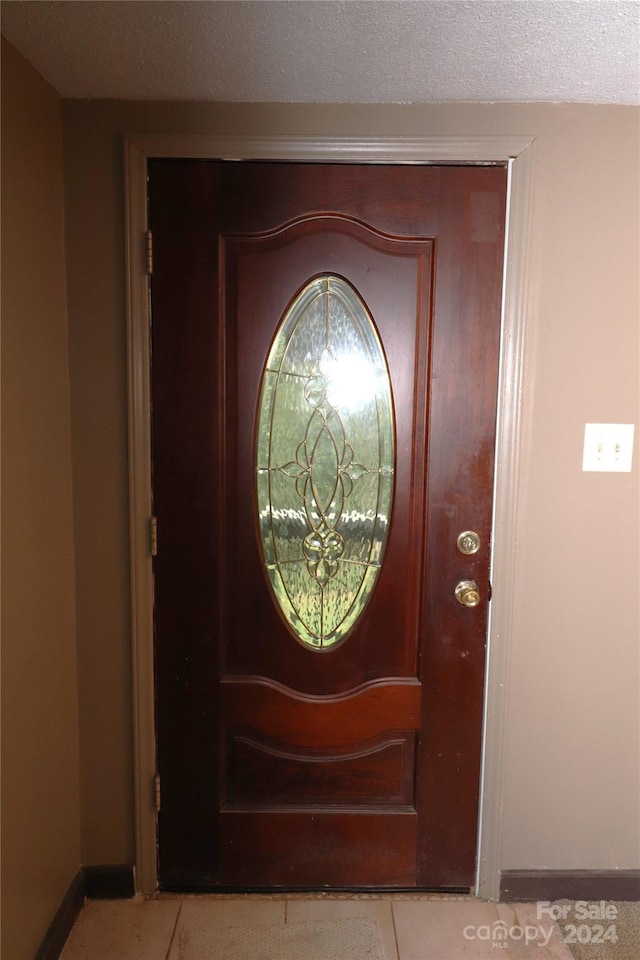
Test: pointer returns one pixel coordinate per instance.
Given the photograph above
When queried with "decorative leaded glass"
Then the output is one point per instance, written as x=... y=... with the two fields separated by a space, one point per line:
x=324 y=461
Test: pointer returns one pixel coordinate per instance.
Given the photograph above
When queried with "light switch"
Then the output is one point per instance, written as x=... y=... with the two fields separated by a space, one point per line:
x=608 y=447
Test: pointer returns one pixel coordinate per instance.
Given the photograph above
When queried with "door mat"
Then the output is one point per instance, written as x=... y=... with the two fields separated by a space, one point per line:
x=313 y=940
x=624 y=944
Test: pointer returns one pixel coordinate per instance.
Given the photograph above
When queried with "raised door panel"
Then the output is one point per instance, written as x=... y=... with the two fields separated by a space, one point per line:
x=262 y=276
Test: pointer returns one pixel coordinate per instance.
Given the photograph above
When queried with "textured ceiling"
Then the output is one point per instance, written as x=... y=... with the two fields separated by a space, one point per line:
x=367 y=51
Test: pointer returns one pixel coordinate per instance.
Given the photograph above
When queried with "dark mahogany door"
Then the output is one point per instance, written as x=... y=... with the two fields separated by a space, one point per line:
x=357 y=765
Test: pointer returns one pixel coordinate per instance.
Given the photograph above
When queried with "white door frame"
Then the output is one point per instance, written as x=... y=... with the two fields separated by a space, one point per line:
x=518 y=153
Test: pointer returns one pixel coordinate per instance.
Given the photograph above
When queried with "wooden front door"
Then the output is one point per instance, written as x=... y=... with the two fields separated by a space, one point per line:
x=308 y=737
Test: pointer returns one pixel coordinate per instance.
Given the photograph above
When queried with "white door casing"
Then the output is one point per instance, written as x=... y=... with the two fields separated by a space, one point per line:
x=518 y=153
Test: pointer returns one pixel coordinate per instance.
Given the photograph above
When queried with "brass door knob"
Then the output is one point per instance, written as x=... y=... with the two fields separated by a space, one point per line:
x=467 y=593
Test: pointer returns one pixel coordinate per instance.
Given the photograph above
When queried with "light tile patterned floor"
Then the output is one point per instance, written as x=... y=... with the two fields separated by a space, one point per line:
x=411 y=929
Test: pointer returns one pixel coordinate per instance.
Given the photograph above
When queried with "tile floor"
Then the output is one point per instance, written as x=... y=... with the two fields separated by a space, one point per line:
x=457 y=928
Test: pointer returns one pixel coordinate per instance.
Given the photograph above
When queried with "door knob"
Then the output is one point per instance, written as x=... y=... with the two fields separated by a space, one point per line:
x=467 y=593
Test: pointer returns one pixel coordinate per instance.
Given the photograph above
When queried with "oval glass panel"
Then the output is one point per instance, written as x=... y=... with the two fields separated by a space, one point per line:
x=325 y=454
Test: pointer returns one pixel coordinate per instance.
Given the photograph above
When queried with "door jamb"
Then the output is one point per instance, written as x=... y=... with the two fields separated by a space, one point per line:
x=518 y=153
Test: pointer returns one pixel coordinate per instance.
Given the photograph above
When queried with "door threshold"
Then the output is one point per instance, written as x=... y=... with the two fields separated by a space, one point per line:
x=314 y=893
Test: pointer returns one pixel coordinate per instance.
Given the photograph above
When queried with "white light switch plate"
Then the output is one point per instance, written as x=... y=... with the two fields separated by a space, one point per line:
x=608 y=447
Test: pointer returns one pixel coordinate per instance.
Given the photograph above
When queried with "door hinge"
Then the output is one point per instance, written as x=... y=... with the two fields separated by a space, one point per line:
x=153 y=536
x=149 y=252
x=156 y=792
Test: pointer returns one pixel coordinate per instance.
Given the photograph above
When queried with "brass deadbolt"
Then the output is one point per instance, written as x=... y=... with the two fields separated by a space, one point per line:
x=468 y=542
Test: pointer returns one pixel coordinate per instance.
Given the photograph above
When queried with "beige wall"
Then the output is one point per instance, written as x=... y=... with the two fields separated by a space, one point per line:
x=571 y=795
x=40 y=782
